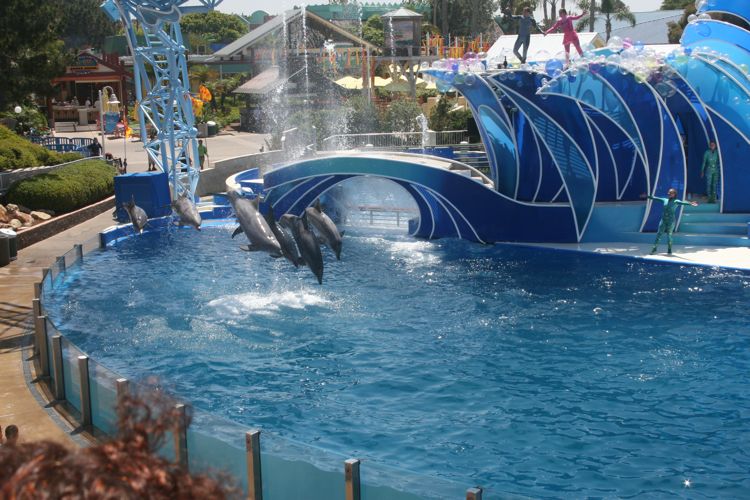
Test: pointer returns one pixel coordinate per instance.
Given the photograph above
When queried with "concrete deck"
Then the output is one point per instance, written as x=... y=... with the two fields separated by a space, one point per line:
x=20 y=401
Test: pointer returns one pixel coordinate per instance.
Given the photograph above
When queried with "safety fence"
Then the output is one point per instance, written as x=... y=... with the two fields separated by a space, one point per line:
x=64 y=144
x=394 y=140
x=286 y=469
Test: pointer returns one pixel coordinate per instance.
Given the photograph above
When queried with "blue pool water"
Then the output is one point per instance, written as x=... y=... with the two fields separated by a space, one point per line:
x=529 y=371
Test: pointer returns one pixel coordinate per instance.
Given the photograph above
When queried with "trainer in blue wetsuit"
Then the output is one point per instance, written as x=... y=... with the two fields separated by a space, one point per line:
x=710 y=169
x=668 y=217
x=525 y=23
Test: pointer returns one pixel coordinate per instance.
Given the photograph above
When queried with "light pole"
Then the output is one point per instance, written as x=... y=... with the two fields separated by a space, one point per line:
x=18 y=110
x=111 y=99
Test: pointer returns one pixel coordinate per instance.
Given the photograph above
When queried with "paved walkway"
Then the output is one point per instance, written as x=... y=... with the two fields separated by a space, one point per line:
x=220 y=147
x=18 y=402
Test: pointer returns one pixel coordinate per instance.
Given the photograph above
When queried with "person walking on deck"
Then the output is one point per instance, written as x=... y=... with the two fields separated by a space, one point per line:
x=565 y=23
x=668 y=217
x=525 y=23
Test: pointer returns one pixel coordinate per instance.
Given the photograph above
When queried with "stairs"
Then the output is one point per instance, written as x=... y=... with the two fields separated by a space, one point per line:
x=704 y=225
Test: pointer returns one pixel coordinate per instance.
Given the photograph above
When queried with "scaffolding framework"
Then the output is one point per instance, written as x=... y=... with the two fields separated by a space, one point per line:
x=162 y=86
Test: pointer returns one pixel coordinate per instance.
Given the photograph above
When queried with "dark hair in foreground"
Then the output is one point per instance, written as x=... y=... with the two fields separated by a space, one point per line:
x=123 y=468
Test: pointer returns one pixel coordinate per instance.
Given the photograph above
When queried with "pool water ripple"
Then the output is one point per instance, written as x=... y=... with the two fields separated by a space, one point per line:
x=528 y=371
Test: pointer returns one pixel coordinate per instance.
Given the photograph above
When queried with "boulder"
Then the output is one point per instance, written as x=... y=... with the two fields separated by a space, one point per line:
x=12 y=207
x=4 y=215
x=25 y=218
x=16 y=224
x=42 y=216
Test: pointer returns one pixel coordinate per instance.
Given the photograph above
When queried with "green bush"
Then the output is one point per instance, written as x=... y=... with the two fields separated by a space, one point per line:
x=66 y=189
x=18 y=152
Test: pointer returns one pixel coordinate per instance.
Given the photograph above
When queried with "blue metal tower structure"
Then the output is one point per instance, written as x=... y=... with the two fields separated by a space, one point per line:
x=161 y=83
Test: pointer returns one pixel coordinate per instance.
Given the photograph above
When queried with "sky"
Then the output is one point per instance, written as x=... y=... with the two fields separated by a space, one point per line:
x=277 y=6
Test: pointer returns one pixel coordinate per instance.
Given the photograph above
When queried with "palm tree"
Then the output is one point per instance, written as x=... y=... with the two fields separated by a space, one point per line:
x=609 y=9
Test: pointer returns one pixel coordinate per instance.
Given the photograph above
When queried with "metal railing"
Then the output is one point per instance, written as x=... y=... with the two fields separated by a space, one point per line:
x=393 y=140
x=64 y=144
x=89 y=392
x=379 y=216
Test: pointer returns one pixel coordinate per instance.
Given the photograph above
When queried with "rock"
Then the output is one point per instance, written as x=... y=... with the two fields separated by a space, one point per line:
x=4 y=215
x=24 y=218
x=16 y=224
x=46 y=211
x=11 y=207
x=3 y=225
x=37 y=215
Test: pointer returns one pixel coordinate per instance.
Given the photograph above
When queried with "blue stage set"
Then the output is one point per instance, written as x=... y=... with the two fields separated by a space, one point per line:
x=574 y=152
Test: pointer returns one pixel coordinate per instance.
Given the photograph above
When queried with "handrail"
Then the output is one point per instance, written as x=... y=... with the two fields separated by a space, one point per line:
x=393 y=139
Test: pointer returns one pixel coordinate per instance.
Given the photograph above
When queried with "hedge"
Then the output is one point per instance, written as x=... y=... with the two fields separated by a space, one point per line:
x=18 y=152
x=67 y=188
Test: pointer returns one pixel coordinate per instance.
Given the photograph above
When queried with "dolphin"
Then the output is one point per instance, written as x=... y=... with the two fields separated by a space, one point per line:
x=326 y=228
x=254 y=226
x=138 y=217
x=285 y=239
x=306 y=242
x=186 y=211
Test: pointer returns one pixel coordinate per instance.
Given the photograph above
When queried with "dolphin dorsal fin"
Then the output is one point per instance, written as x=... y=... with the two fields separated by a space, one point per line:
x=317 y=206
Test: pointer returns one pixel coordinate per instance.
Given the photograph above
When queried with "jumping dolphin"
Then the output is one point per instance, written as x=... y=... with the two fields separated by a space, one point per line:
x=254 y=226
x=306 y=242
x=329 y=234
x=285 y=239
x=186 y=211
x=138 y=217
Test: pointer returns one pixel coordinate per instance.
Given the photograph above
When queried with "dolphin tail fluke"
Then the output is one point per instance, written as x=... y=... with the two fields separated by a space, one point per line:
x=237 y=231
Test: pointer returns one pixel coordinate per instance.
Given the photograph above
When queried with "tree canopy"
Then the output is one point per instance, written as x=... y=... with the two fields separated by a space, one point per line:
x=675 y=4
x=214 y=26
x=608 y=10
x=84 y=23
x=31 y=52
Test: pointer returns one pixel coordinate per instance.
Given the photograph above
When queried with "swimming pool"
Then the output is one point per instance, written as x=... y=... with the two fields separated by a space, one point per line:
x=527 y=371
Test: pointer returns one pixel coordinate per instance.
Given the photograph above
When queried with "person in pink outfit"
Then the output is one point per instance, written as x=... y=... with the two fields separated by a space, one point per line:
x=565 y=24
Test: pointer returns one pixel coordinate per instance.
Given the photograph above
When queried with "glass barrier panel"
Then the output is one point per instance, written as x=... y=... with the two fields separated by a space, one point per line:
x=103 y=384
x=70 y=258
x=218 y=453
x=294 y=470
x=71 y=374
x=384 y=482
x=91 y=245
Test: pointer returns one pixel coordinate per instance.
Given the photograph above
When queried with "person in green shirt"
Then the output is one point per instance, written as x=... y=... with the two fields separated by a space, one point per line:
x=666 y=225
x=710 y=169
x=202 y=152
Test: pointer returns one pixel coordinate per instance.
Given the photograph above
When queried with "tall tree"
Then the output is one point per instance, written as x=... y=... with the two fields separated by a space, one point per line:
x=607 y=9
x=675 y=4
x=84 y=24
x=675 y=28
x=31 y=52
x=214 y=26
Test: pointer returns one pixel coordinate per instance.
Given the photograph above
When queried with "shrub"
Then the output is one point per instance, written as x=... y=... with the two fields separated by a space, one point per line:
x=66 y=189
x=401 y=116
x=18 y=152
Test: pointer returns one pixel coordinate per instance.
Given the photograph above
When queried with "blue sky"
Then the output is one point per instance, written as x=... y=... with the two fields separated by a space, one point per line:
x=276 y=6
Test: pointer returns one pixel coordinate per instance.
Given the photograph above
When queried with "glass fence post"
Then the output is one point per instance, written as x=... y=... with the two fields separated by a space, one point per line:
x=40 y=330
x=474 y=494
x=102 y=240
x=61 y=264
x=254 y=478
x=351 y=478
x=79 y=252
x=83 y=372
x=38 y=290
x=57 y=362
x=36 y=306
x=180 y=436
x=123 y=390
